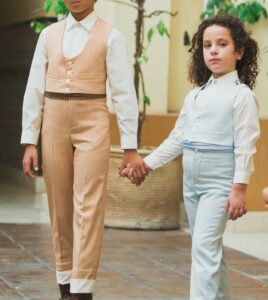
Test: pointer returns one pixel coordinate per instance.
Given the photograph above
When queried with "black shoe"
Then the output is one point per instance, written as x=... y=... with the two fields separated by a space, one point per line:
x=65 y=291
x=82 y=297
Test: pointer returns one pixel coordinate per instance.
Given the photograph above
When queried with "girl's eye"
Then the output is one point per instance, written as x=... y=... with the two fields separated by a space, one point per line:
x=206 y=46
x=223 y=44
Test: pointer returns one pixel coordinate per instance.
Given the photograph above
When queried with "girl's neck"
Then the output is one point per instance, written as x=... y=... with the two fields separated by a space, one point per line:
x=80 y=16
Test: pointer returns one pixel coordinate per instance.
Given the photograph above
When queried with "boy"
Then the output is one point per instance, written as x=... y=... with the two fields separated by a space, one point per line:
x=66 y=93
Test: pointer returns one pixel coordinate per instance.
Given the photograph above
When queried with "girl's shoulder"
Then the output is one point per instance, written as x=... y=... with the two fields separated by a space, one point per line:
x=245 y=95
x=245 y=90
x=193 y=93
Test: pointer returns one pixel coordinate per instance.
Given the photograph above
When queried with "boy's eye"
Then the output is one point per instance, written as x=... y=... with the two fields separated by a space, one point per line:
x=222 y=44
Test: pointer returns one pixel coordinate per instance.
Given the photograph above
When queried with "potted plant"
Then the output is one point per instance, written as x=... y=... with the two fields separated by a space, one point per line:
x=154 y=205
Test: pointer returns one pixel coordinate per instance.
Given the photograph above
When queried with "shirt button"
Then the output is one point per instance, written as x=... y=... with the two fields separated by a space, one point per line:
x=69 y=62
x=69 y=72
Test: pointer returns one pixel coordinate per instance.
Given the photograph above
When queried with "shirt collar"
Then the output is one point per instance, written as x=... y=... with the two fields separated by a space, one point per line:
x=87 y=23
x=225 y=80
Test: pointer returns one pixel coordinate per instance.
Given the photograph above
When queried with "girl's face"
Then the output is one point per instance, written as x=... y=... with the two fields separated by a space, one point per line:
x=219 y=51
x=79 y=6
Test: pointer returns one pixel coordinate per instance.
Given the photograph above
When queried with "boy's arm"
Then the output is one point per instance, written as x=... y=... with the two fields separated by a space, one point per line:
x=124 y=100
x=32 y=107
x=34 y=94
x=122 y=89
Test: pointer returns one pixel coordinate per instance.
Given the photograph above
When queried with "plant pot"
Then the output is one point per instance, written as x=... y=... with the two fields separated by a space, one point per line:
x=153 y=205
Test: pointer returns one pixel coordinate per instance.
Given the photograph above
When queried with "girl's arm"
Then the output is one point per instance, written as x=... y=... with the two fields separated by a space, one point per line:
x=171 y=147
x=246 y=134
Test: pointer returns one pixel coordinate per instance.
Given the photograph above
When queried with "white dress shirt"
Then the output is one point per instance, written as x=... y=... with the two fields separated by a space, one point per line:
x=120 y=81
x=245 y=124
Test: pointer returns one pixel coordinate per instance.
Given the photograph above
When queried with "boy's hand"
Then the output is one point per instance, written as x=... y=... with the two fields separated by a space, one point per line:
x=236 y=205
x=30 y=161
x=265 y=196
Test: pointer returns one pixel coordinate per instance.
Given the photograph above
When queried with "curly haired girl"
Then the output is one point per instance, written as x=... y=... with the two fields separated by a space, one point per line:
x=216 y=131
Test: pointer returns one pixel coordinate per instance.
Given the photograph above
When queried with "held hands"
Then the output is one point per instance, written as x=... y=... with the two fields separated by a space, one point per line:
x=30 y=161
x=133 y=167
x=236 y=205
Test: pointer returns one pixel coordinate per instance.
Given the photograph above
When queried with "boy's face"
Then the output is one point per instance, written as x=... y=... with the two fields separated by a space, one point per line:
x=219 y=51
x=79 y=6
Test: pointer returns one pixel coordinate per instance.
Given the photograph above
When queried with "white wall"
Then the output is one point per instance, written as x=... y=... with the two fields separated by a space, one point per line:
x=157 y=69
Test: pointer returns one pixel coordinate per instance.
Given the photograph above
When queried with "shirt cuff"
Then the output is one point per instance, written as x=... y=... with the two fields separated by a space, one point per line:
x=129 y=142
x=28 y=137
x=152 y=162
x=242 y=176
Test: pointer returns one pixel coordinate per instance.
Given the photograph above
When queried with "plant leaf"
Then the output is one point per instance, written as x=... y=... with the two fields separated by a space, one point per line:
x=48 y=5
x=146 y=100
x=150 y=34
x=142 y=59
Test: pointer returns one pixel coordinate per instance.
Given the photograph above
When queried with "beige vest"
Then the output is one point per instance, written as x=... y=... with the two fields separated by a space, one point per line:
x=84 y=73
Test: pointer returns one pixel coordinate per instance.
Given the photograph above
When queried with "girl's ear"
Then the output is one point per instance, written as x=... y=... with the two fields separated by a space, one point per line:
x=239 y=53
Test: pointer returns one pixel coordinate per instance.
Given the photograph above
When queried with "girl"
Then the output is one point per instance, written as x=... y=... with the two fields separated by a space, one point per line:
x=216 y=131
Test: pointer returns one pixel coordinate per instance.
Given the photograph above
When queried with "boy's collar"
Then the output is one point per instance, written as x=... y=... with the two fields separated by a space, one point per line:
x=225 y=80
x=87 y=22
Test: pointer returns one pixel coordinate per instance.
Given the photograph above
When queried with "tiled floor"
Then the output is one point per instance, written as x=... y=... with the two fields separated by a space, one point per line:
x=135 y=265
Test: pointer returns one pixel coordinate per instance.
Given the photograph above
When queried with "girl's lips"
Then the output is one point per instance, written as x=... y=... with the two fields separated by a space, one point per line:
x=214 y=60
x=75 y=2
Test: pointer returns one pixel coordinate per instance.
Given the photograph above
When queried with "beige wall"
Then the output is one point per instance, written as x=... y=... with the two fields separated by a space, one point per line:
x=187 y=20
x=260 y=33
x=156 y=71
x=14 y=11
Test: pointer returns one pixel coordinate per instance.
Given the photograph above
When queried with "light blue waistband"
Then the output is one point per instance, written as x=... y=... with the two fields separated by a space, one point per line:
x=207 y=147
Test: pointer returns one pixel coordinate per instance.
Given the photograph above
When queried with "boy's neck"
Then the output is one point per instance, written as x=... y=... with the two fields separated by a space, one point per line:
x=80 y=16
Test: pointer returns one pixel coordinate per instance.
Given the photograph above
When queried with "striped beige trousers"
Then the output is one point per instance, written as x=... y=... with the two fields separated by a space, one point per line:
x=75 y=152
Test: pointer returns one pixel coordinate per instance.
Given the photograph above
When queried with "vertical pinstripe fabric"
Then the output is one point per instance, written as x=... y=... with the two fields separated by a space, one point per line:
x=84 y=73
x=75 y=149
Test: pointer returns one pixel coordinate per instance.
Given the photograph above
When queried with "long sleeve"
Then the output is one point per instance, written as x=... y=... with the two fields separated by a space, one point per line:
x=171 y=147
x=34 y=95
x=122 y=89
x=246 y=134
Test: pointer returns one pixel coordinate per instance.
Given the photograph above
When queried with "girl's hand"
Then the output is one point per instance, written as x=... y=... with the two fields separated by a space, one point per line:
x=236 y=205
x=30 y=161
x=265 y=196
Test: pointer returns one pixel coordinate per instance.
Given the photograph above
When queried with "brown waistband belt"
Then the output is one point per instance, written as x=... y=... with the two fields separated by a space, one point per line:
x=73 y=96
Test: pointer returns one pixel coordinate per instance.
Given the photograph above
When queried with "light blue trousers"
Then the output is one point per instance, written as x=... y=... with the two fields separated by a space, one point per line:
x=208 y=179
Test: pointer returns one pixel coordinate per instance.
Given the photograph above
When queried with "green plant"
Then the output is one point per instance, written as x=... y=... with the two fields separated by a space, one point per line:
x=249 y=11
x=142 y=42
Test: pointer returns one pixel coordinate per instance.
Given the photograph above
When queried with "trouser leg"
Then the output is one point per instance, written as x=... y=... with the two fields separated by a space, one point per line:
x=57 y=154
x=212 y=180
x=91 y=156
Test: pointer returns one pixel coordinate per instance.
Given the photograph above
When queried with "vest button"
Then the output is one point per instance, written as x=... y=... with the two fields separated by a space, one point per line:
x=69 y=72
